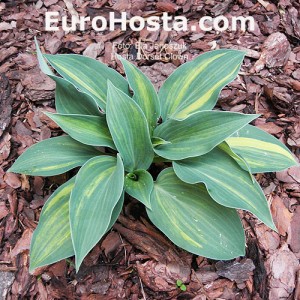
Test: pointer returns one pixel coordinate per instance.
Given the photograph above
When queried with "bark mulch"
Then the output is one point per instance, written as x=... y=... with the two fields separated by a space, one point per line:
x=135 y=261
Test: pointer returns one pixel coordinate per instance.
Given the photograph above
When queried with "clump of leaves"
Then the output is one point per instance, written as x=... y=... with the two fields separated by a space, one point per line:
x=115 y=137
x=181 y=285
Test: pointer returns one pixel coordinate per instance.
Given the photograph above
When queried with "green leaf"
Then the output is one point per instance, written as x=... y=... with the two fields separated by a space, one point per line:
x=158 y=141
x=89 y=130
x=226 y=182
x=51 y=241
x=196 y=85
x=139 y=185
x=144 y=93
x=87 y=74
x=129 y=129
x=262 y=151
x=42 y=63
x=116 y=212
x=188 y=216
x=68 y=100
x=98 y=188
x=242 y=163
x=183 y=287
x=198 y=133
x=179 y=283
x=53 y=156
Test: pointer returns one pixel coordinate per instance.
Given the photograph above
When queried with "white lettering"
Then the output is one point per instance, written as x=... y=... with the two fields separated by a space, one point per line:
x=180 y=24
x=153 y=23
x=82 y=22
x=64 y=23
x=202 y=25
x=113 y=21
x=219 y=20
x=243 y=21
x=49 y=20
x=134 y=20
x=165 y=18
x=95 y=23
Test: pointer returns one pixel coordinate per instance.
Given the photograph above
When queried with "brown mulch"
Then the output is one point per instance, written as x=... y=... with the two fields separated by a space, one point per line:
x=135 y=261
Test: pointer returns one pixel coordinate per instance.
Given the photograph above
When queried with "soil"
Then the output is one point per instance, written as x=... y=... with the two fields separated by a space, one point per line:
x=135 y=261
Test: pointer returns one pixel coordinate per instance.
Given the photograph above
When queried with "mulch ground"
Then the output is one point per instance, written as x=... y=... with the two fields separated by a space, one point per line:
x=135 y=261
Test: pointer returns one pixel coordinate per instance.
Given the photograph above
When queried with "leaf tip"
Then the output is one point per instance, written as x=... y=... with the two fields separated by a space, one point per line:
x=47 y=113
x=32 y=265
x=31 y=269
x=13 y=169
x=238 y=53
x=253 y=116
x=110 y=86
x=78 y=262
x=50 y=115
x=242 y=52
x=273 y=226
x=36 y=42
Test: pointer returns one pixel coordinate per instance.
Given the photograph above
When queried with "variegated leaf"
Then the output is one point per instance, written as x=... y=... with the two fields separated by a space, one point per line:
x=188 y=216
x=261 y=151
x=144 y=93
x=139 y=185
x=88 y=75
x=196 y=85
x=198 y=133
x=129 y=129
x=53 y=156
x=98 y=187
x=242 y=163
x=51 y=241
x=68 y=100
x=226 y=182
x=89 y=130
x=116 y=212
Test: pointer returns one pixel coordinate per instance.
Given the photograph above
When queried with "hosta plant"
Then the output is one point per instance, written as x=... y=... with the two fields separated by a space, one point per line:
x=117 y=128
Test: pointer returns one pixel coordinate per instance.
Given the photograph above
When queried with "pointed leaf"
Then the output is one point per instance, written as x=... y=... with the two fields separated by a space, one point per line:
x=129 y=129
x=196 y=85
x=116 y=212
x=193 y=221
x=98 y=188
x=226 y=183
x=89 y=130
x=51 y=241
x=87 y=74
x=68 y=100
x=158 y=141
x=42 y=63
x=144 y=93
x=241 y=162
x=198 y=133
x=262 y=151
x=139 y=185
x=53 y=156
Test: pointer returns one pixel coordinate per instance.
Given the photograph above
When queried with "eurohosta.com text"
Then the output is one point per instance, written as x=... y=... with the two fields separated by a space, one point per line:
x=152 y=23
